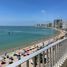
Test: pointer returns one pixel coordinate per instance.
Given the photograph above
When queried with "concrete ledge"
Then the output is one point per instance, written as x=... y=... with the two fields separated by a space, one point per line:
x=62 y=62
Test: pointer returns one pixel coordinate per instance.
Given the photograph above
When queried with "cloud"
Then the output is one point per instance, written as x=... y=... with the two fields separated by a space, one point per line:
x=43 y=11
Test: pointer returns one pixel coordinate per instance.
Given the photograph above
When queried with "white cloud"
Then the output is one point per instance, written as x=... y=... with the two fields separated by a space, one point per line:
x=43 y=11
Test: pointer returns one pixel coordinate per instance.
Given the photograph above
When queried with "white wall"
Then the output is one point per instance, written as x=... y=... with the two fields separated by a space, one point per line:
x=65 y=25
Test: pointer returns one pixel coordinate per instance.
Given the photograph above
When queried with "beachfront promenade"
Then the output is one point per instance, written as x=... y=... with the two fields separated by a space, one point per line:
x=52 y=55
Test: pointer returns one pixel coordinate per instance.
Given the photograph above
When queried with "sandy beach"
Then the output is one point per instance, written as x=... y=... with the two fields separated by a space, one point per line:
x=30 y=49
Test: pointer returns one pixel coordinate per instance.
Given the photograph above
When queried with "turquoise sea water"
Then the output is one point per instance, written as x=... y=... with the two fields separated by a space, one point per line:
x=16 y=36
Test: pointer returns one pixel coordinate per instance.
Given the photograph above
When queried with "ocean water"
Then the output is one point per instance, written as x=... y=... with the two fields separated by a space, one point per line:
x=16 y=36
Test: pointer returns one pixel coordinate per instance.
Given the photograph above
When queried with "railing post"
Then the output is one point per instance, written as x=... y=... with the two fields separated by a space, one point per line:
x=43 y=59
x=52 y=55
x=19 y=57
x=47 y=60
x=39 y=60
x=19 y=66
x=34 y=61
x=60 y=45
x=50 y=59
x=55 y=54
x=58 y=55
x=59 y=50
x=27 y=63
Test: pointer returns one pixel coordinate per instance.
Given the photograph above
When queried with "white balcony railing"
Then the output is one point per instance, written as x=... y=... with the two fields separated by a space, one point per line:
x=47 y=56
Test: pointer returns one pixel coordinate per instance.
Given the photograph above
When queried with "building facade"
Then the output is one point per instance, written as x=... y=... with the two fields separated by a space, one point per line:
x=58 y=23
x=41 y=25
x=65 y=25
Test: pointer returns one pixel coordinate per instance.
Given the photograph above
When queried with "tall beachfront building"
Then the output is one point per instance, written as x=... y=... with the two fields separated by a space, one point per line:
x=58 y=23
x=65 y=25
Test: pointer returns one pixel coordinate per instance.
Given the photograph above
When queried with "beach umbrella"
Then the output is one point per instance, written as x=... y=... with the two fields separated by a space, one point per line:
x=15 y=54
x=22 y=52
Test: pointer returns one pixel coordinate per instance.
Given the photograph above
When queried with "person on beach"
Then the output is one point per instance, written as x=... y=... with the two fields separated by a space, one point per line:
x=43 y=44
x=19 y=57
x=5 y=53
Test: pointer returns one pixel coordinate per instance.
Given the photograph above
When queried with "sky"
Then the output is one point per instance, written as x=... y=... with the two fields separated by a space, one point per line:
x=30 y=12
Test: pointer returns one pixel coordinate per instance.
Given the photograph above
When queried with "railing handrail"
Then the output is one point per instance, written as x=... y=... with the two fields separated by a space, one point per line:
x=35 y=53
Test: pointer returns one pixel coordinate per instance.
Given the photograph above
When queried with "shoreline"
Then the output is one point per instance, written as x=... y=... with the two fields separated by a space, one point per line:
x=30 y=45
